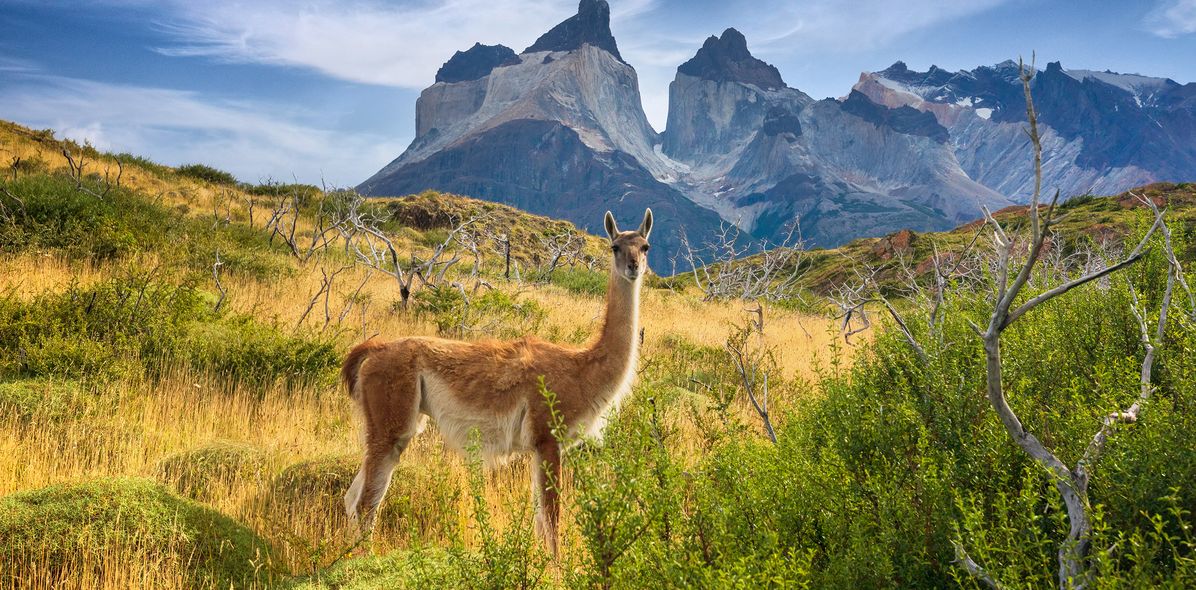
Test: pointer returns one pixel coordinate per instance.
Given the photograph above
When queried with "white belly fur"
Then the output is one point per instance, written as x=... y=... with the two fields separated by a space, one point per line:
x=509 y=432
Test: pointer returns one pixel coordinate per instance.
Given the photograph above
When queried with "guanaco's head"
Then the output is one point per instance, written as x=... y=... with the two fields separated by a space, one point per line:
x=630 y=248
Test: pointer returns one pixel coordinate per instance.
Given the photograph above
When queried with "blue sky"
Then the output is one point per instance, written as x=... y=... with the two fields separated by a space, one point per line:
x=326 y=90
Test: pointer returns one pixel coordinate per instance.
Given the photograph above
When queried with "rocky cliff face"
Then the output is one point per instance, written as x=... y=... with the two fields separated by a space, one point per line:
x=762 y=154
x=1103 y=132
x=559 y=130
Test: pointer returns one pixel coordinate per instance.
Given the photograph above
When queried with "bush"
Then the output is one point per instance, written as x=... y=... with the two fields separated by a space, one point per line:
x=66 y=526
x=28 y=399
x=580 y=280
x=493 y=313
x=126 y=159
x=420 y=568
x=207 y=174
x=200 y=472
x=54 y=215
x=133 y=327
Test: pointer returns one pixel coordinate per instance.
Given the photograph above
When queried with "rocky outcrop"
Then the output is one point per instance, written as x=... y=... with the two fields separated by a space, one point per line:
x=763 y=154
x=590 y=26
x=476 y=62
x=727 y=59
x=559 y=130
x=1102 y=132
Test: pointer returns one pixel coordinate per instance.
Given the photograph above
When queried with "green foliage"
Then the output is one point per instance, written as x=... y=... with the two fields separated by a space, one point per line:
x=197 y=473
x=66 y=525
x=493 y=312
x=580 y=280
x=132 y=327
x=126 y=159
x=304 y=192
x=417 y=569
x=44 y=399
x=52 y=214
x=315 y=478
x=872 y=480
x=27 y=165
x=207 y=174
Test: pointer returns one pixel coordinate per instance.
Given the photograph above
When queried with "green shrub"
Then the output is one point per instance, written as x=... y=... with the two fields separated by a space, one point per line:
x=492 y=313
x=131 y=327
x=27 y=399
x=421 y=568
x=126 y=159
x=198 y=473
x=581 y=280
x=54 y=215
x=66 y=525
x=28 y=165
x=207 y=174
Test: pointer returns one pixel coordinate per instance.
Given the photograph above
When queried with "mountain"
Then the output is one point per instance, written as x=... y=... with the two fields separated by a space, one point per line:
x=1103 y=132
x=559 y=130
x=762 y=154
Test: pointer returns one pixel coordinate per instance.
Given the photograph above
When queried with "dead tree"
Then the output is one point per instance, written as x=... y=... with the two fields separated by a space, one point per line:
x=724 y=267
x=365 y=239
x=216 y=276
x=371 y=247
x=1010 y=278
x=754 y=363
x=329 y=218
x=563 y=249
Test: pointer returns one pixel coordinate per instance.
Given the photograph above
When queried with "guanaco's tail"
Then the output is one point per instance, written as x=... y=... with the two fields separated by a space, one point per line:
x=353 y=362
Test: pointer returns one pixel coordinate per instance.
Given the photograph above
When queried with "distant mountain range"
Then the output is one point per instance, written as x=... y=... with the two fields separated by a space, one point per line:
x=559 y=130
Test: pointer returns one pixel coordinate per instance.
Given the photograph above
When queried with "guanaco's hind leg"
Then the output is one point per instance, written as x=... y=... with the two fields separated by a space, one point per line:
x=392 y=419
x=372 y=481
x=546 y=484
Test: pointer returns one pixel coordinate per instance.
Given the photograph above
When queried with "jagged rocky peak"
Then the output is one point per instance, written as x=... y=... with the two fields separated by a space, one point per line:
x=476 y=62
x=727 y=59
x=590 y=26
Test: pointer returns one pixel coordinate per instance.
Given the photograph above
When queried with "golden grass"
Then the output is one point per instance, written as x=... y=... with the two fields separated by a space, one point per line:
x=154 y=420
x=151 y=421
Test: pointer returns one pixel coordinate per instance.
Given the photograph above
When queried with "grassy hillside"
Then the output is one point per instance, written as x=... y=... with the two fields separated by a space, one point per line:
x=167 y=421
x=1086 y=219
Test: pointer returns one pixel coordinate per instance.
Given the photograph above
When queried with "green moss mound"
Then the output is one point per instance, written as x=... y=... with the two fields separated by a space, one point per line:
x=200 y=472
x=320 y=478
x=421 y=568
x=66 y=524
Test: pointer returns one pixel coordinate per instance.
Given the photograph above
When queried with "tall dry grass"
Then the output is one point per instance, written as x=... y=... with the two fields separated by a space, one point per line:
x=151 y=421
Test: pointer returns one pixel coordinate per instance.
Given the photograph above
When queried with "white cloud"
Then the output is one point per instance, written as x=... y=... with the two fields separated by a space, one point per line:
x=177 y=127
x=361 y=41
x=780 y=31
x=1172 y=18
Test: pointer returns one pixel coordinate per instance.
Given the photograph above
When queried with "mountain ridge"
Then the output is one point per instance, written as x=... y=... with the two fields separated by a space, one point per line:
x=923 y=150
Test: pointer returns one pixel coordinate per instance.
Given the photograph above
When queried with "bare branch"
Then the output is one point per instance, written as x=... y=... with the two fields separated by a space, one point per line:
x=216 y=277
x=973 y=568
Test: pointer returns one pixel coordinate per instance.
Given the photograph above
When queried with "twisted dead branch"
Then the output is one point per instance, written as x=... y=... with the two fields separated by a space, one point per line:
x=1075 y=567
x=723 y=267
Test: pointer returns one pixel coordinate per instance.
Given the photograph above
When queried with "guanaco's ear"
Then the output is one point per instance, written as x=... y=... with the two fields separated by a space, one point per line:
x=646 y=226
x=612 y=230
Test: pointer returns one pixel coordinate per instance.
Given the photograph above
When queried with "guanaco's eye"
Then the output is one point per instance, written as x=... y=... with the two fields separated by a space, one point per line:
x=645 y=247
x=614 y=249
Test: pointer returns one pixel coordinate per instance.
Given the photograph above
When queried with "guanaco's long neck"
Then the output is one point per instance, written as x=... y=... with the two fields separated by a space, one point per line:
x=619 y=339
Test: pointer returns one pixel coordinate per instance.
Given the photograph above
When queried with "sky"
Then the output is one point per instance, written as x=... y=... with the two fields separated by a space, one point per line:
x=324 y=91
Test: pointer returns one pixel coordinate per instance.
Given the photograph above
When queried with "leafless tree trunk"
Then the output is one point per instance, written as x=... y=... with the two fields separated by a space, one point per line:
x=754 y=365
x=1072 y=484
x=723 y=268
x=216 y=277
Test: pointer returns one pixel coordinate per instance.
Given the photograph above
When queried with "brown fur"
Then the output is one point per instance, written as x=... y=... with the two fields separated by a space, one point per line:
x=493 y=387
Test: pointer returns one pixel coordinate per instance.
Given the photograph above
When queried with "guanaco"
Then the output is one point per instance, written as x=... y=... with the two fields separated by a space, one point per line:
x=493 y=387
